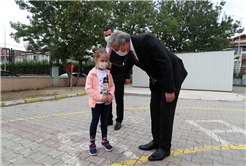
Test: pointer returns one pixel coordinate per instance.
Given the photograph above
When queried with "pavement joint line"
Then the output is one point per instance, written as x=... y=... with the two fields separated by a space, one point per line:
x=131 y=108
x=143 y=159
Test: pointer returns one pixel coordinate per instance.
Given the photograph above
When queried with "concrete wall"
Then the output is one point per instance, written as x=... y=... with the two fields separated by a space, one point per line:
x=63 y=82
x=24 y=83
x=206 y=71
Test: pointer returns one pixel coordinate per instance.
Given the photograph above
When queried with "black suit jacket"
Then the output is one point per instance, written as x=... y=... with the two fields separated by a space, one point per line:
x=156 y=60
x=116 y=59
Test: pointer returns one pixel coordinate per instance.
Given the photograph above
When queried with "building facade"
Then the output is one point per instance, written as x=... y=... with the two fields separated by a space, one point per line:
x=20 y=56
x=240 y=54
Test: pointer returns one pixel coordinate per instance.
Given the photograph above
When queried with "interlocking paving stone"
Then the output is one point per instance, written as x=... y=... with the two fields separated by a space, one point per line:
x=30 y=163
x=10 y=155
x=18 y=160
x=37 y=156
x=64 y=139
x=48 y=161
x=213 y=157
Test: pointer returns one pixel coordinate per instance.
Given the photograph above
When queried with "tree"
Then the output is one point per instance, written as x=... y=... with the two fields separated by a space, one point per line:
x=133 y=17
x=199 y=27
x=62 y=28
x=74 y=28
x=39 y=34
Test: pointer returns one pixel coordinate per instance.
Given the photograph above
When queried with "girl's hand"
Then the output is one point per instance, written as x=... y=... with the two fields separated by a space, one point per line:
x=104 y=99
x=110 y=98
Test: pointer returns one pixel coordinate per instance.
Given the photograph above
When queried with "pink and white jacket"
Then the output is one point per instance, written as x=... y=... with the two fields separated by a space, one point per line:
x=91 y=87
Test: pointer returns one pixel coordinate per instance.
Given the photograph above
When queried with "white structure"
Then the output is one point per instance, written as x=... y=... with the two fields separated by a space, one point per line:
x=206 y=71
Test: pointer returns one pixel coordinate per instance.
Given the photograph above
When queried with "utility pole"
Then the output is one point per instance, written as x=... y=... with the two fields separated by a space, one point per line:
x=238 y=55
x=71 y=78
x=5 y=59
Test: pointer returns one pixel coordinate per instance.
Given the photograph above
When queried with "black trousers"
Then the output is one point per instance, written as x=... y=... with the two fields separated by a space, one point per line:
x=162 y=116
x=99 y=112
x=119 y=99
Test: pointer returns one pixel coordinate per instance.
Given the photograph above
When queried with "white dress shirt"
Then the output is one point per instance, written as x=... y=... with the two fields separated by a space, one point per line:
x=107 y=49
x=133 y=50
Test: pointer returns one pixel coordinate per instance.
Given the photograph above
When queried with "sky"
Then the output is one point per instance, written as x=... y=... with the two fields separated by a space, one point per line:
x=9 y=11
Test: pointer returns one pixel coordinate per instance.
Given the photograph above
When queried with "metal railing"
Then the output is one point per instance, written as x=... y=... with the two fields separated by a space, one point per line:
x=17 y=56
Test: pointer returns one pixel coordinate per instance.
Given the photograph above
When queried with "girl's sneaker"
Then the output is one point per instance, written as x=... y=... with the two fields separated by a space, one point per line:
x=93 y=150
x=106 y=145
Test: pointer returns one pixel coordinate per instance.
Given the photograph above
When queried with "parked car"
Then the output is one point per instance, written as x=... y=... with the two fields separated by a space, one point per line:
x=65 y=75
x=8 y=74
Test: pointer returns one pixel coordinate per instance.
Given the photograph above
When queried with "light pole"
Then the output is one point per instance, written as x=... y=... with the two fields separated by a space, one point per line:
x=238 y=54
x=5 y=48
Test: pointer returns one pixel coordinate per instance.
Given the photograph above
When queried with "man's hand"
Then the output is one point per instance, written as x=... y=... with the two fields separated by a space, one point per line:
x=170 y=97
x=127 y=81
x=104 y=99
x=109 y=65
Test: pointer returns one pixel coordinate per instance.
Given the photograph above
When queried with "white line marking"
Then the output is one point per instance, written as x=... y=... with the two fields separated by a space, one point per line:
x=208 y=132
x=212 y=132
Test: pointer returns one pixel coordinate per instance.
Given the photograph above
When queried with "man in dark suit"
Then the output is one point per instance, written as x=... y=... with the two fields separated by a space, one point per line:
x=120 y=79
x=166 y=72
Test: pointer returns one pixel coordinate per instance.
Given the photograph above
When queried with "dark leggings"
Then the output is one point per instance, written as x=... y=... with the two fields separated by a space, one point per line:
x=99 y=110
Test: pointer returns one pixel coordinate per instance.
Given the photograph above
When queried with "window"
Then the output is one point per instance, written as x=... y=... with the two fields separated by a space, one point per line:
x=236 y=50
x=237 y=64
x=241 y=39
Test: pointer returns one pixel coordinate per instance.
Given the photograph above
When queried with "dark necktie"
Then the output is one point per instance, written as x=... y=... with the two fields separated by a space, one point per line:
x=133 y=56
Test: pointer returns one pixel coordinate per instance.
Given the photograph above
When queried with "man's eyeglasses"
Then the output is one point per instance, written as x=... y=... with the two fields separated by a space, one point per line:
x=117 y=49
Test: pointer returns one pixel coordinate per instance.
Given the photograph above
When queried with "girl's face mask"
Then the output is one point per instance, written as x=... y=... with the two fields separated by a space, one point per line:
x=103 y=65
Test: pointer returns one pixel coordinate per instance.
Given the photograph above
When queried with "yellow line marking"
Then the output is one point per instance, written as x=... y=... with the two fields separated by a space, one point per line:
x=142 y=159
x=211 y=108
x=131 y=108
x=45 y=116
x=33 y=99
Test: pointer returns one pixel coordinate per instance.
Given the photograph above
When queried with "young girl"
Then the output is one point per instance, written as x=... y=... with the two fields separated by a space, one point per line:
x=100 y=88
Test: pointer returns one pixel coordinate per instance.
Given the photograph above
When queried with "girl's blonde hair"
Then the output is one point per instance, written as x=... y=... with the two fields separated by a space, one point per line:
x=98 y=52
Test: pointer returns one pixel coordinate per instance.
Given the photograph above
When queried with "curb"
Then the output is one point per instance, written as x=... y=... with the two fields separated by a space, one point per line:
x=14 y=102
x=33 y=99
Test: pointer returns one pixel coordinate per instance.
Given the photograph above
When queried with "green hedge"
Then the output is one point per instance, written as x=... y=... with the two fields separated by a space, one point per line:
x=86 y=67
x=30 y=67
x=43 y=67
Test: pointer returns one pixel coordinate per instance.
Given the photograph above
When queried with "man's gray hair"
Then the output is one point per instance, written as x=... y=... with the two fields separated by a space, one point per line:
x=118 y=37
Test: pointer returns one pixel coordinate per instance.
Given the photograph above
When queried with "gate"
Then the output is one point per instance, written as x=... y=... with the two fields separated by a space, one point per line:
x=23 y=62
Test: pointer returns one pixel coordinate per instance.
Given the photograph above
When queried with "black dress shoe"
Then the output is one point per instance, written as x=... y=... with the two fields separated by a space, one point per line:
x=151 y=145
x=117 y=126
x=159 y=155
